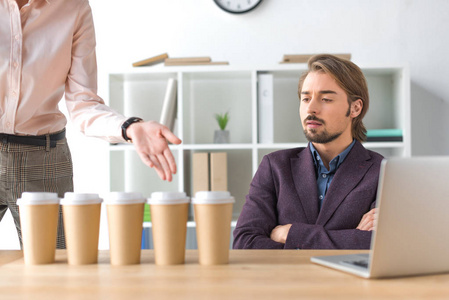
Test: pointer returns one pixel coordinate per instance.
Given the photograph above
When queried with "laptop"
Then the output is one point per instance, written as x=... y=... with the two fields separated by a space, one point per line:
x=412 y=233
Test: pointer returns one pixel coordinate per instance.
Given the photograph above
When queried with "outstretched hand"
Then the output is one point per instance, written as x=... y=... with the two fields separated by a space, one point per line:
x=150 y=139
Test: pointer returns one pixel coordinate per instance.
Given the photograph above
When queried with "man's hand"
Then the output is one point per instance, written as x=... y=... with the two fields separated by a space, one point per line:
x=150 y=139
x=369 y=220
x=280 y=232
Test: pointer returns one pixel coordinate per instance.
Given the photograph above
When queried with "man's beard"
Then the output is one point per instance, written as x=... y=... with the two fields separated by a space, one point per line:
x=324 y=137
x=321 y=138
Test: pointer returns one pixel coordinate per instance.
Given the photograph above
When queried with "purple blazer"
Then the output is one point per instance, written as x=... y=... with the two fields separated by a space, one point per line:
x=284 y=191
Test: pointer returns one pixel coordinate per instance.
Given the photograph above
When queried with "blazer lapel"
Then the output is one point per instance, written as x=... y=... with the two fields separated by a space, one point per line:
x=303 y=173
x=346 y=178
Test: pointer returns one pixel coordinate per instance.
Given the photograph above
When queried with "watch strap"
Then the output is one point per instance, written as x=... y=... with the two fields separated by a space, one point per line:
x=126 y=124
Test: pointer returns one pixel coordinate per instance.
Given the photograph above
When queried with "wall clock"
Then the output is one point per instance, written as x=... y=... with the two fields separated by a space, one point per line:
x=237 y=6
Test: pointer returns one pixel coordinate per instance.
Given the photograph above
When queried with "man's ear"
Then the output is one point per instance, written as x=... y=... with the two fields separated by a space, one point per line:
x=356 y=108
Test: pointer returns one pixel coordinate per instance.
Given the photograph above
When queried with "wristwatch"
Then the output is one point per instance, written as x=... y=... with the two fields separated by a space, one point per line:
x=126 y=124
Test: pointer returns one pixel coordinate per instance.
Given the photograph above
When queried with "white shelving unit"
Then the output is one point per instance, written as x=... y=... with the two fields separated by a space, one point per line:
x=206 y=90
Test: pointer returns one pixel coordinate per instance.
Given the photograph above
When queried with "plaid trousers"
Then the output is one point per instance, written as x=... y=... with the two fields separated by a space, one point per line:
x=27 y=168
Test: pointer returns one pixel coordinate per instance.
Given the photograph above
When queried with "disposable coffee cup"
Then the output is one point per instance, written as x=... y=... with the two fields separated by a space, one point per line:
x=39 y=222
x=213 y=216
x=169 y=214
x=125 y=220
x=81 y=213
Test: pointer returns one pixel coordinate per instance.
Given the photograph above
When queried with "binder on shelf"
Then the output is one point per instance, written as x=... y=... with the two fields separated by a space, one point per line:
x=151 y=61
x=146 y=213
x=169 y=107
x=265 y=107
x=218 y=171
x=209 y=171
x=200 y=172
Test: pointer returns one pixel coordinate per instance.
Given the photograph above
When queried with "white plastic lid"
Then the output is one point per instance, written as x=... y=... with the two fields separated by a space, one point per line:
x=168 y=198
x=38 y=198
x=214 y=197
x=71 y=198
x=123 y=198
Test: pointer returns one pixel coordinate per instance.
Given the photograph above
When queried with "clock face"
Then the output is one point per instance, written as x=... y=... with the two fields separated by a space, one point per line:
x=237 y=6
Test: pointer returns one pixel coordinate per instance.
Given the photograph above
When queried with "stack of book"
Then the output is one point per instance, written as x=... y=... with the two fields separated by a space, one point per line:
x=304 y=58
x=384 y=135
x=151 y=61
x=179 y=61
x=188 y=61
x=209 y=172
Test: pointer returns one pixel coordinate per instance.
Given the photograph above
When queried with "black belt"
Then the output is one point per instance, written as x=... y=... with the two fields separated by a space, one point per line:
x=35 y=140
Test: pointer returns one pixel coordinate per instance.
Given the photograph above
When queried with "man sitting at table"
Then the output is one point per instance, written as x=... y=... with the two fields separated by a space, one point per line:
x=322 y=196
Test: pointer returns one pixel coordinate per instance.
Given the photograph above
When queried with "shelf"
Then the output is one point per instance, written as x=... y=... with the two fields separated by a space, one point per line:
x=217 y=146
x=293 y=68
x=125 y=147
x=281 y=145
x=203 y=91
x=374 y=145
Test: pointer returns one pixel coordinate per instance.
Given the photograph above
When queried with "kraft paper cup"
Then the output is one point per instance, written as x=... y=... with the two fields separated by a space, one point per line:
x=213 y=216
x=169 y=214
x=81 y=213
x=125 y=220
x=39 y=222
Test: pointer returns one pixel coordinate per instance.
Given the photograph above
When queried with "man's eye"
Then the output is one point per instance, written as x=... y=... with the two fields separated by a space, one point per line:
x=305 y=99
x=327 y=100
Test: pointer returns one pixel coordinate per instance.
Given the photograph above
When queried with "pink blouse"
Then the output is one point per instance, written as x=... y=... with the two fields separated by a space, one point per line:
x=48 y=49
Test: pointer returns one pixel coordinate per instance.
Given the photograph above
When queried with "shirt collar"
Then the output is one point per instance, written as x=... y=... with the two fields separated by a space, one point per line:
x=335 y=162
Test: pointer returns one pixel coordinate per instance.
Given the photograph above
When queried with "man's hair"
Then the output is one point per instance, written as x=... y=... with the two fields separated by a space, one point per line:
x=350 y=78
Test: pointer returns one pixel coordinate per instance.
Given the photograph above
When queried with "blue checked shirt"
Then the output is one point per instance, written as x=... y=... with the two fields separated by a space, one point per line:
x=323 y=175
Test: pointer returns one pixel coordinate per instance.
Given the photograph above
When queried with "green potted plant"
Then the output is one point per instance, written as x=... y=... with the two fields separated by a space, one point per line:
x=222 y=136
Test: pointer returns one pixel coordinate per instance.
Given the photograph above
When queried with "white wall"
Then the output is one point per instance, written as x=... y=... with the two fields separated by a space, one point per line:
x=382 y=31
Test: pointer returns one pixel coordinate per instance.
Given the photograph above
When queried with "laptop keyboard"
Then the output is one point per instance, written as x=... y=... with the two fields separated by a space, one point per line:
x=364 y=263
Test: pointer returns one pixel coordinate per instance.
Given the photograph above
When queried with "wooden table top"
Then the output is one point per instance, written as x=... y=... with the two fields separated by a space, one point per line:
x=251 y=274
